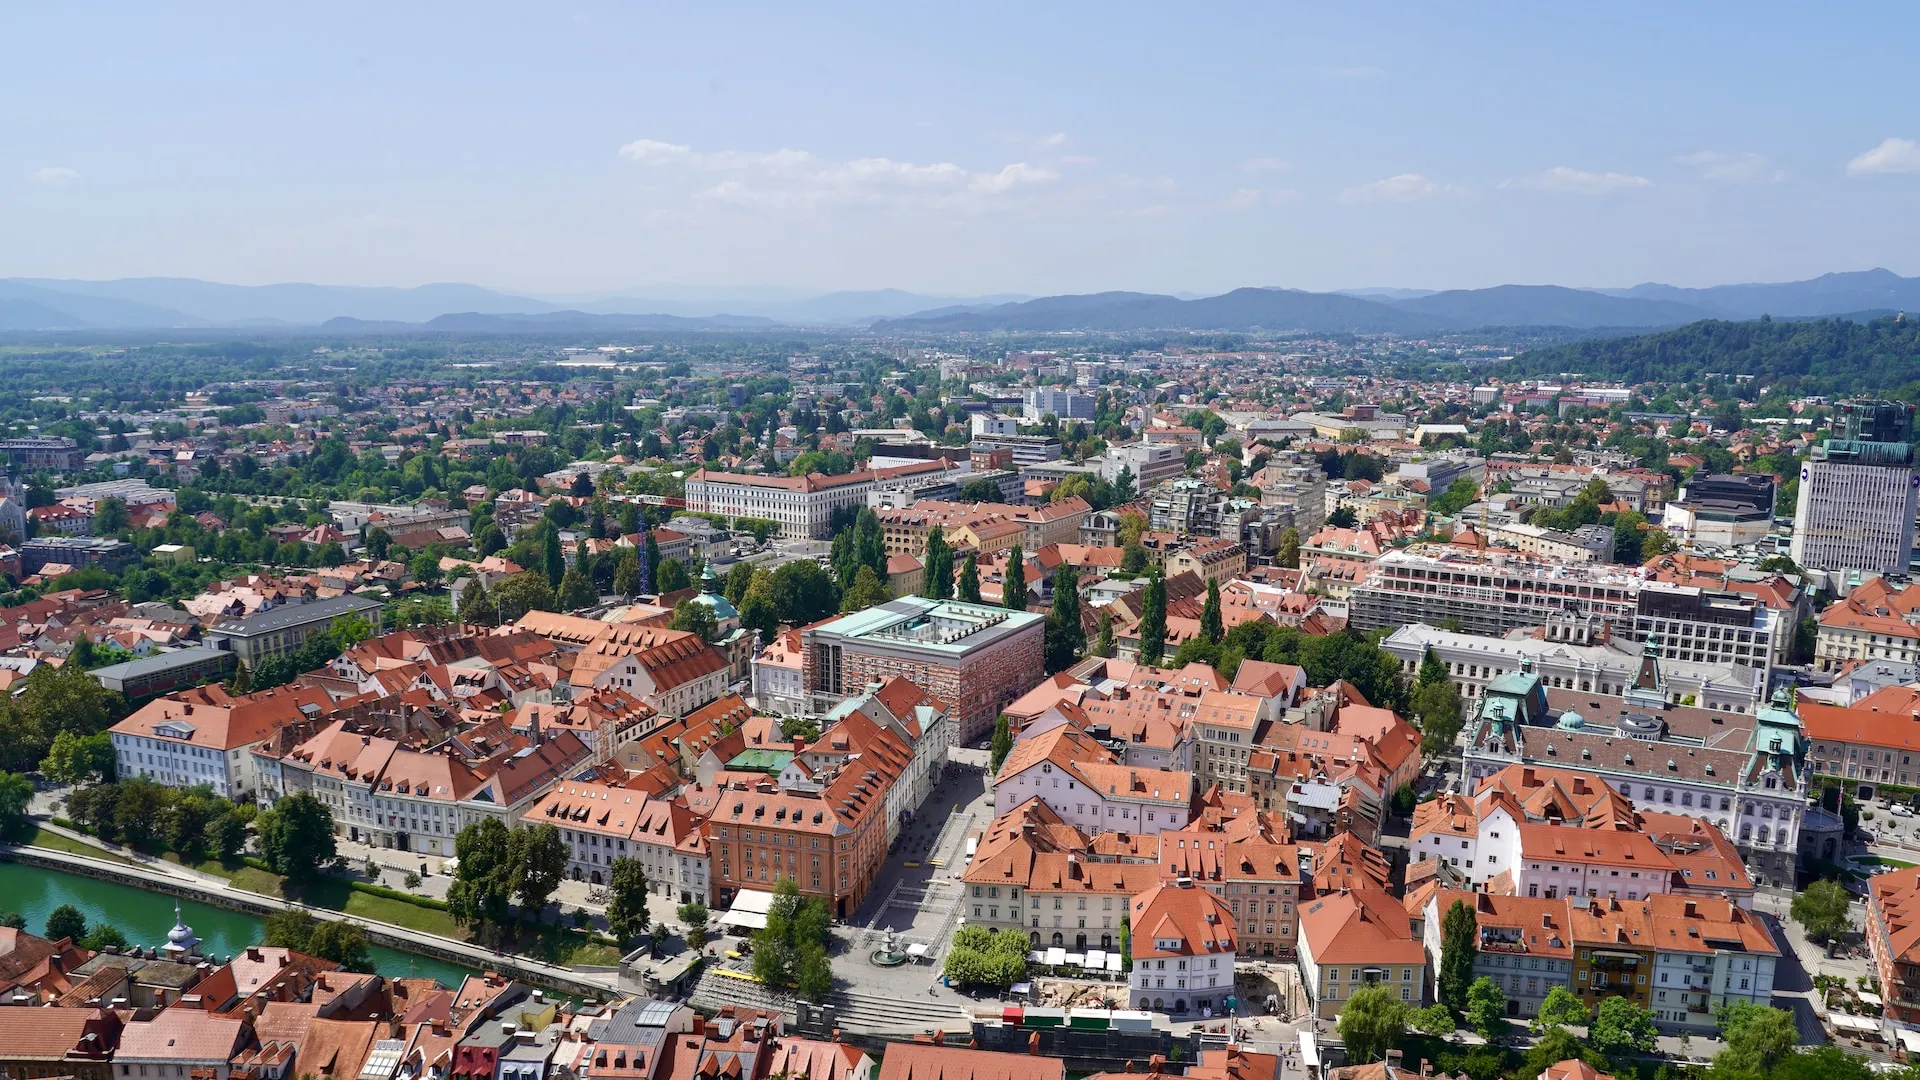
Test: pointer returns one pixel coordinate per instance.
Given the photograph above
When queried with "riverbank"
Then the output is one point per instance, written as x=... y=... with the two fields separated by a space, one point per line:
x=173 y=880
x=35 y=891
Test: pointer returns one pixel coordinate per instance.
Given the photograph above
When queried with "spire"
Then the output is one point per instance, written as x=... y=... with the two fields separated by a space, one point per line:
x=1648 y=677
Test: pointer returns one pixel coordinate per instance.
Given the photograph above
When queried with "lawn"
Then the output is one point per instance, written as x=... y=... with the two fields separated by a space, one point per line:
x=207 y=866
x=55 y=842
x=550 y=943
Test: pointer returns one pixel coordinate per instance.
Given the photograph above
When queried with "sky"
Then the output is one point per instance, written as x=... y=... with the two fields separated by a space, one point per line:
x=961 y=149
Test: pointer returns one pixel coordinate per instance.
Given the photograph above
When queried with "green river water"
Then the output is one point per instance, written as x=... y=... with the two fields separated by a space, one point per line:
x=146 y=917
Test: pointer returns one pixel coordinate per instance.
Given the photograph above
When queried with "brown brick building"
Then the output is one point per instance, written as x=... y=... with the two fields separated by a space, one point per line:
x=974 y=657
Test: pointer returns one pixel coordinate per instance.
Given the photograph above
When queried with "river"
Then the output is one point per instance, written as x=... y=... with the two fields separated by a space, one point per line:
x=146 y=917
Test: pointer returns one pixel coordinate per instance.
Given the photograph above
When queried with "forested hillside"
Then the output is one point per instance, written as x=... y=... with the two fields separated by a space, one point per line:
x=1821 y=356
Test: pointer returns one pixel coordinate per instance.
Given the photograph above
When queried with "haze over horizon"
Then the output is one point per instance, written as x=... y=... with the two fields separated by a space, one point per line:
x=600 y=151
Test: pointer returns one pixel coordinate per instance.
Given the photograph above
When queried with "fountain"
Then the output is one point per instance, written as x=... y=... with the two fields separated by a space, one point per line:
x=889 y=954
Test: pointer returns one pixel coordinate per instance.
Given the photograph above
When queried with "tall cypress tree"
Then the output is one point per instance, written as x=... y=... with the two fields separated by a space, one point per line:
x=1066 y=639
x=649 y=565
x=1210 y=625
x=1013 y=593
x=1153 y=619
x=1459 y=932
x=552 y=561
x=968 y=588
x=939 y=566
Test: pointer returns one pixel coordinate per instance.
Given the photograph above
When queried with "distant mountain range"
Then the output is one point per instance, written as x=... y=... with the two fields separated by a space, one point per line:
x=41 y=304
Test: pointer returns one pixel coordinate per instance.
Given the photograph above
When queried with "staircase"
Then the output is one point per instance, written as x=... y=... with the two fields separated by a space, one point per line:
x=859 y=1012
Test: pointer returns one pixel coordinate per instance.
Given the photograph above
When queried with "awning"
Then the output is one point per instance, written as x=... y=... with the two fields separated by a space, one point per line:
x=1909 y=1038
x=749 y=909
x=917 y=950
x=1055 y=957
x=1113 y=962
x=1096 y=959
x=1309 y=1050
x=1867 y=998
x=1846 y=1022
x=1074 y=959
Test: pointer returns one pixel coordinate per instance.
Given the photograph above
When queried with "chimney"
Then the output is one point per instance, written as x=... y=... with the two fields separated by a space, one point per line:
x=1394 y=1059
x=1691 y=909
x=1426 y=1067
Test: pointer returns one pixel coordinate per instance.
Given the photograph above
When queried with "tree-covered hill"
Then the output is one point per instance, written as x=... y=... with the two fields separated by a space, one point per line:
x=1817 y=356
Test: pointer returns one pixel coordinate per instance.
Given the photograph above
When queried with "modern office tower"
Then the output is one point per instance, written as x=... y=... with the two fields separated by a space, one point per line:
x=1858 y=493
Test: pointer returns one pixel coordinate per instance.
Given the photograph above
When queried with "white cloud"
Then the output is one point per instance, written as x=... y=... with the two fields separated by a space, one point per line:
x=1406 y=187
x=1744 y=168
x=1264 y=164
x=788 y=178
x=1243 y=199
x=55 y=176
x=1891 y=156
x=1579 y=181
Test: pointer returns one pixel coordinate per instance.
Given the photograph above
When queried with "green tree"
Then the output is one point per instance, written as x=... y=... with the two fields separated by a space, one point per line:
x=576 y=591
x=1210 y=626
x=1620 y=1026
x=1557 y=1045
x=341 y=942
x=66 y=698
x=694 y=917
x=1459 y=933
x=521 y=593
x=1486 y=1008
x=1013 y=588
x=539 y=865
x=1065 y=637
x=674 y=576
x=106 y=936
x=66 y=922
x=296 y=836
x=968 y=587
x=1437 y=708
x=482 y=889
x=1371 y=1022
x=13 y=920
x=476 y=607
x=1459 y=495
x=1822 y=908
x=1002 y=743
x=110 y=518
x=867 y=591
x=695 y=618
x=813 y=975
x=739 y=577
x=16 y=794
x=626 y=575
x=140 y=813
x=1432 y=1020
x=1757 y=1039
x=290 y=928
x=1103 y=645
x=938 y=561
x=552 y=562
x=1153 y=620
x=1562 y=1008
x=627 y=914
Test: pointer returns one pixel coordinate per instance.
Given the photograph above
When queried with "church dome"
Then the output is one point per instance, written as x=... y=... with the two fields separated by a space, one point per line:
x=712 y=598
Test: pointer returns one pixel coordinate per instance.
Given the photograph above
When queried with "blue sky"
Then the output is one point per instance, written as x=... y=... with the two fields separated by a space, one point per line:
x=959 y=149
